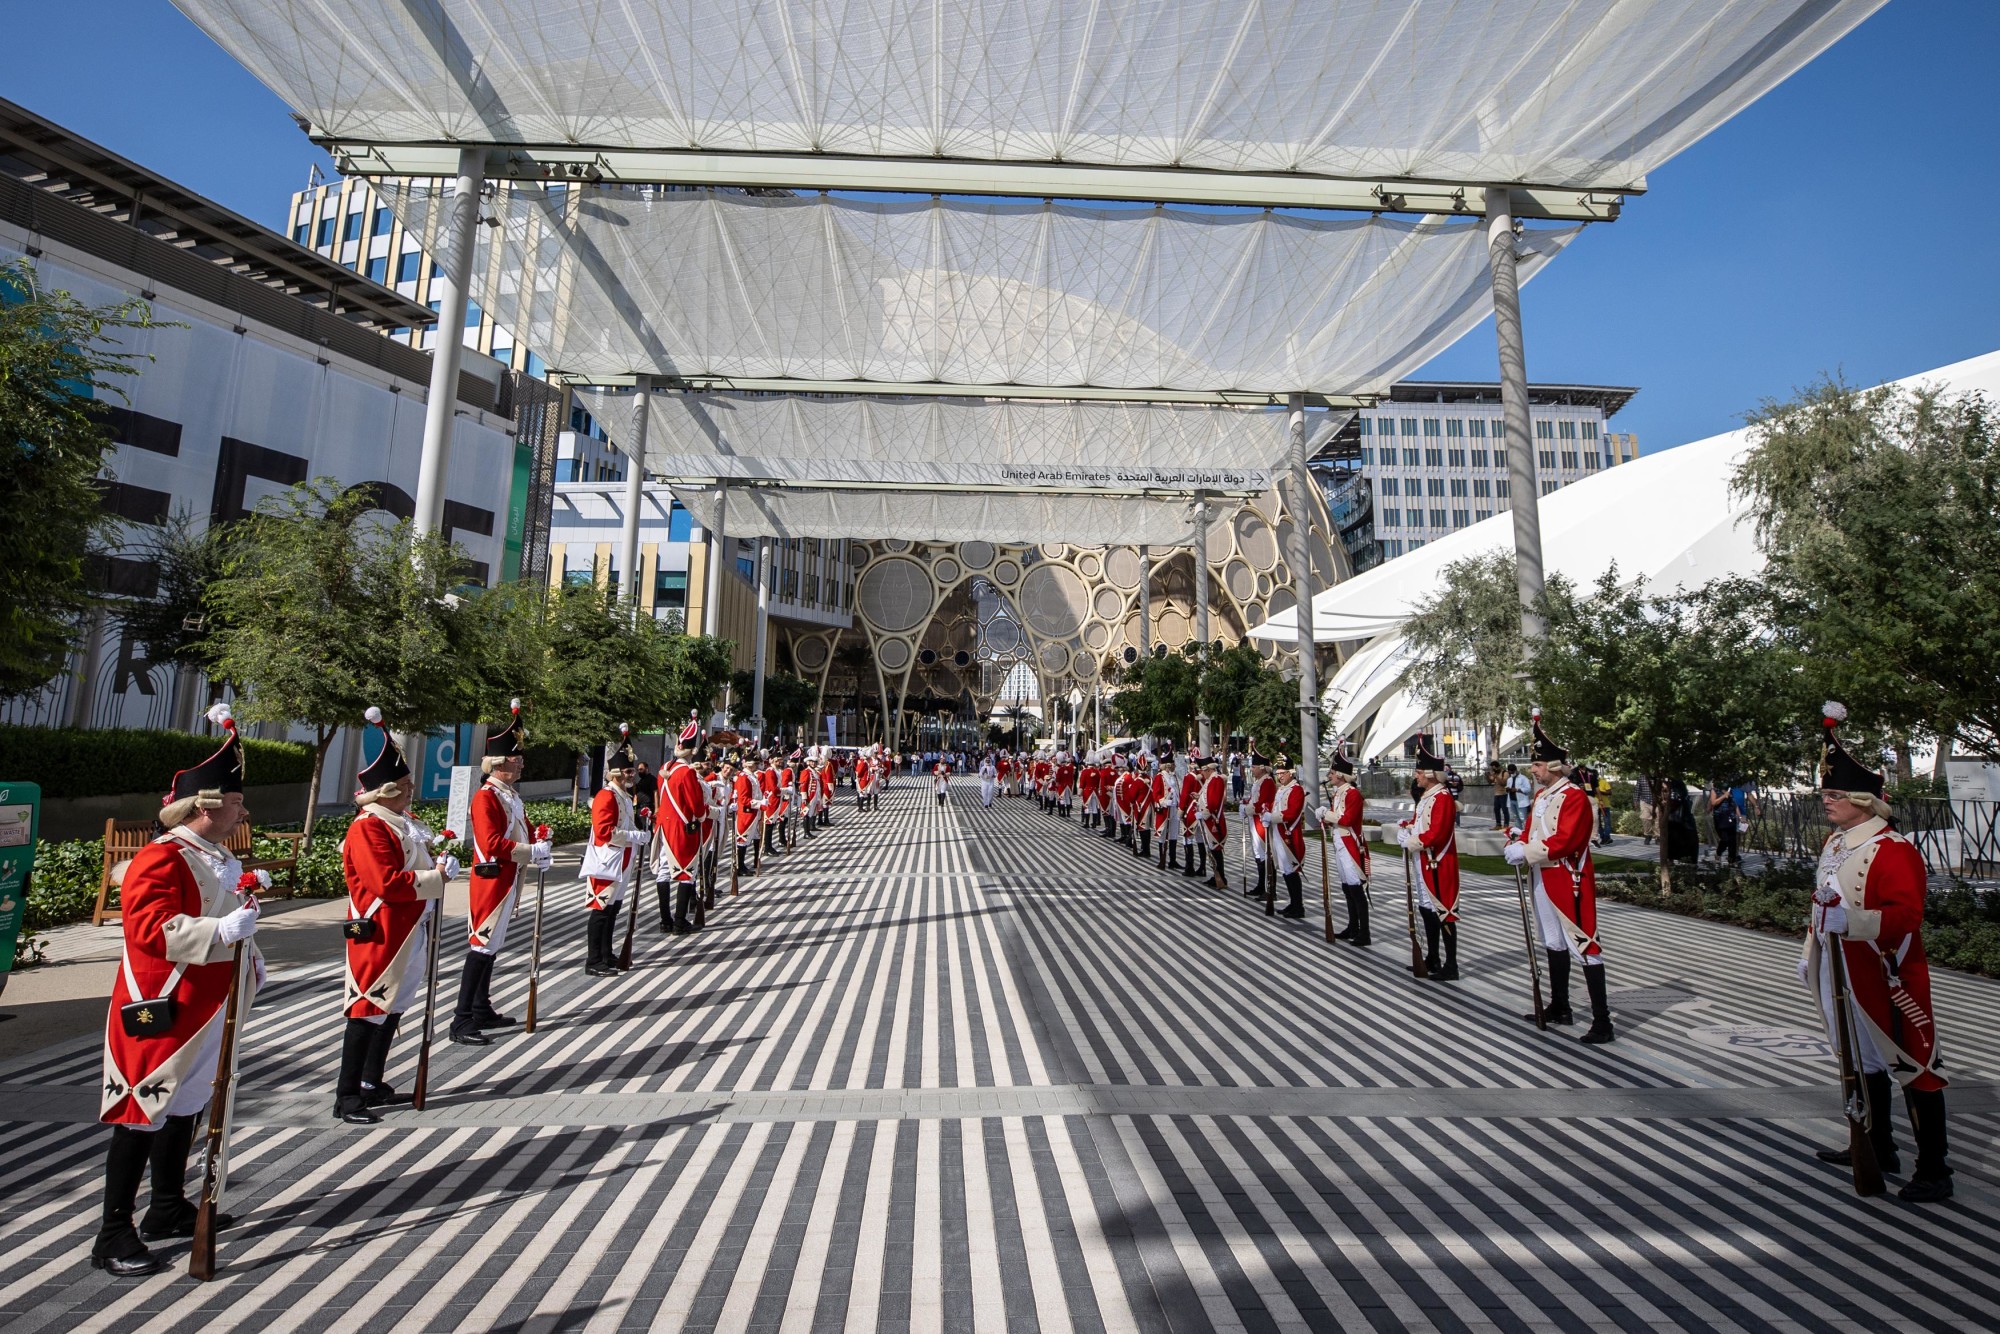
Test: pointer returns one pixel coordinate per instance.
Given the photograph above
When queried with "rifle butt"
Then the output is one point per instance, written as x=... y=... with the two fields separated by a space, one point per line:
x=201 y=1255
x=1867 y=1168
x=528 y=1018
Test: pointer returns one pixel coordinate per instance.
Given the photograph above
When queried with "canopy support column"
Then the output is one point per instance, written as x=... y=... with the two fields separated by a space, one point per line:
x=635 y=492
x=449 y=353
x=1526 y=497
x=763 y=634
x=1204 y=726
x=718 y=542
x=1300 y=559
x=1145 y=602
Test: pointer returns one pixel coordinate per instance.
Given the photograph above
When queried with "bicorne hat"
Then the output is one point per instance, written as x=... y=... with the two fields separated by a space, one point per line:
x=619 y=754
x=1543 y=750
x=509 y=742
x=202 y=786
x=388 y=767
x=1427 y=762
x=1340 y=763
x=1839 y=771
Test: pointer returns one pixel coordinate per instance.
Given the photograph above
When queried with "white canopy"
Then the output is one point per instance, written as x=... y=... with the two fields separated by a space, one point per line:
x=1001 y=517
x=608 y=282
x=1590 y=93
x=1013 y=445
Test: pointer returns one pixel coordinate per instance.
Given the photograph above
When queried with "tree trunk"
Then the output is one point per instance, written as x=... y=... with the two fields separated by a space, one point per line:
x=322 y=743
x=1660 y=835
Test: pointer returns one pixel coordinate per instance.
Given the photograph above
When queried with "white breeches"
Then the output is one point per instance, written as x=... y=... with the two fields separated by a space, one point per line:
x=1259 y=844
x=1350 y=870
x=1287 y=863
x=1550 y=924
x=1865 y=1049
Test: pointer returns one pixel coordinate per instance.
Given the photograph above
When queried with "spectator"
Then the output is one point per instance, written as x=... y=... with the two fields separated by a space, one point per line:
x=1642 y=797
x=1455 y=785
x=1683 y=835
x=1496 y=779
x=1236 y=777
x=1727 y=817
x=1600 y=791
x=1521 y=789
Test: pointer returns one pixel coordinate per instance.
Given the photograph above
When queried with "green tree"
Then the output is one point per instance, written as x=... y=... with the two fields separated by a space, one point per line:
x=1683 y=685
x=788 y=701
x=1228 y=678
x=323 y=609
x=1465 y=645
x=172 y=626
x=1878 y=512
x=1271 y=714
x=1159 y=696
x=56 y=355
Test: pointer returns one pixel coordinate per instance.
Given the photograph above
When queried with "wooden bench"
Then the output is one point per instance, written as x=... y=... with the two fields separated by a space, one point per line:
x=124 y=838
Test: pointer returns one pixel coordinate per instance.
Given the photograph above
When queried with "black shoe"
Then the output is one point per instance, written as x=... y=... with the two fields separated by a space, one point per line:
x=1563 y=1016
x=467 y=1035
x=384 y=1095
x=138 y=1265
x=1891 y=1165
x=1445 y=973
x=1925 y=1190
x=355 y=1112
x=1292 y=910
x=1598 y=1033
x=181 y=1225
x=492 y=1020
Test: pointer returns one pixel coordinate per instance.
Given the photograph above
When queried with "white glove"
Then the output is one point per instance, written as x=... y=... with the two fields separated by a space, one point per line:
x=1516 y=854
x=239 y=925
x=638 y=838
x=1833 y=920
x=1326 y=815
x=1403 y=835
x=541 y=856
x=1802 y=970
x=448 y=866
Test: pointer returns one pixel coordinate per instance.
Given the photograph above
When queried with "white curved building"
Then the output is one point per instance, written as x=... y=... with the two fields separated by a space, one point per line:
x=1668 y=518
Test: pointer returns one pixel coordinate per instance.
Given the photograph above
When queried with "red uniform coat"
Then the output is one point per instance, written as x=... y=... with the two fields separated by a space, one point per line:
x=1561 y=824
x=1159 y=797
x=172 y=897
x=1065 y=778
x=682 y=815
x=1190 y=800
x=1882 y=885
x=1287 y=813
x=745 y=792
x=609 y=855
x=864 y=775
x=1124 y=794
x=1346 y=805
x=1263 y=792
x=767 y=783
x=391 y=882
x=1214 y=791
x=500 y=836
x=1436 y=827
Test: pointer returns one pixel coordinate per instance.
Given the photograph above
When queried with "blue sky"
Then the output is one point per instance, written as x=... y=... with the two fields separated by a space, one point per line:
x=1842 y=224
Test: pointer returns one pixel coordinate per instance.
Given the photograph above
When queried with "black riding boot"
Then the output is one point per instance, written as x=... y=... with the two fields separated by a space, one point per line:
x=465 y=1016
x=1173 y=851
x=1350 y=893
x=663 y=896
x=684 y=909
x=1295 y=905
x=118 y=1248
x=1359 y=913
x=349 y=1104
x=1220 y=881
x=1558 y=1011
x=1145 y=841
x=1600 y=1005
x=1256 y=891
x=1931 y=1181
x=1448 y=931
x=1431 y=932
x=483 y=1013
x=373 y=1091
x=170 y=1213
x=1881 y=1129
x=597 y=940
x=742 y=859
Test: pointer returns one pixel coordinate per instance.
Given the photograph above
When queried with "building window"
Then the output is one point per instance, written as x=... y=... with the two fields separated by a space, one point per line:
x=1545 y=430
x=1569 y=458
x=325 y=232
x=1409 y=458
x=406 y=266
x=1458 y=486
x=352 y=231
x=1455 y=458
x=1455 y=428
x=378 y=269
x=1433 y=458
x=1567 y=430
x=1392 y=518
x=1483 y=515
x=1500 y=487
x=1546 y=458
x=1590 y=462
x=1394 y=546
x=382 y=220
x=1549 y=486
x=680 y=524
x=1389 y=485
x=1437 y=486
x=1478 y=428
x=1367 y=455
x=1364 y=426
x=1460 y=518
x=301 y=232
x=472 y=314
x=1432 y=428
x=1409 y=426
x=1482 y=487
x=1478 y=458
x=1437 y=518
x=1414 y=518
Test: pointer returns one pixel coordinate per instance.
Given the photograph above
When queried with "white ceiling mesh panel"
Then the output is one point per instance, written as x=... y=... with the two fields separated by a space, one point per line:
x=1012 y=518
x=611 y=281
x=1011 y=443
x=1592 y=93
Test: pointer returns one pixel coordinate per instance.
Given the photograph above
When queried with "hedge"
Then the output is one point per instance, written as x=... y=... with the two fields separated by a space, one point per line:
x=112 y=761
x=1961 y=925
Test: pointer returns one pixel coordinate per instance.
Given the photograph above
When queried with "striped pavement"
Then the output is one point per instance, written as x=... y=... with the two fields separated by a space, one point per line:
x=954 y=1068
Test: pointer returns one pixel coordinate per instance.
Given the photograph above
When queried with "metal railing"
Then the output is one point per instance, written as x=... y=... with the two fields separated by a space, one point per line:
x=1953 y=836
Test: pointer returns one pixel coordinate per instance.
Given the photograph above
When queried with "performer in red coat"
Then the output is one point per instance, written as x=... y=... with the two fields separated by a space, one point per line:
x=613 y=851
x=1287 y=815
x=1869 y=903
x=1194 y=849
x=746 y=798
x=772 y=799
x=1431 y=836
x=1214 y=793
x=1159 y=803
x=502 y=844
x=182 y=916
x=1341 y=816
x=1088 y=793
x=1555 y=847
x=683 y=816
x=394 y=889
x=1063 y=777
x=1258 y=798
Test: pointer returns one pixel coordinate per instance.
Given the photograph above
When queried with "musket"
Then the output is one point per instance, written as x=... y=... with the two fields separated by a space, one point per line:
x=1854 y=1100
x=1534 y=955
x=632 y=917
x=201 y=1259
x=1417 y=964
x=1325 y=890
x=423 y=1083
x=735 y=859
x=535 y=940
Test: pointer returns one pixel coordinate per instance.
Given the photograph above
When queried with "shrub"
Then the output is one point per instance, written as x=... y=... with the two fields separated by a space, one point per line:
x=111 y=761
x=64 y=887
x=1628 y=822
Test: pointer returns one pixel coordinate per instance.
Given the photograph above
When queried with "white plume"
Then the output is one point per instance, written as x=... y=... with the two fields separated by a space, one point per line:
x=515 y=704
x=1834 y=711
x=373 y=714
x=219 y=714
x=624 y=729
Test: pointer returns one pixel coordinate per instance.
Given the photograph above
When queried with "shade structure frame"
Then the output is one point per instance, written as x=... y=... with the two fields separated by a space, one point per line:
x=1002 y=518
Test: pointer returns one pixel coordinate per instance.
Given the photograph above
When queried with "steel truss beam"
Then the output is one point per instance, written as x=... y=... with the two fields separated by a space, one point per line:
x=952 y=176
x=931 y=389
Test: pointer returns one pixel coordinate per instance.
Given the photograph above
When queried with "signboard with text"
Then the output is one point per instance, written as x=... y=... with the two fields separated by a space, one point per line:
x=20 y=822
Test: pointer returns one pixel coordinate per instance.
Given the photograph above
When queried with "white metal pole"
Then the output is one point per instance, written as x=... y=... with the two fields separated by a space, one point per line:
x=763 y=631
x=449 y=353
x=1204 y=727
x=718 y=543
x=1525 y=496
x=1145 y=602
x=1302 y=587
x=635 y=490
